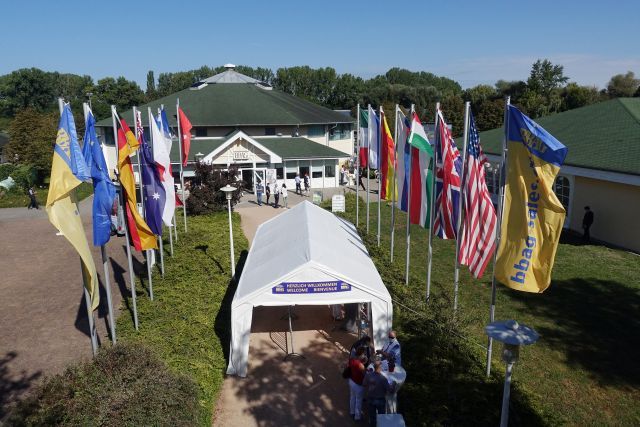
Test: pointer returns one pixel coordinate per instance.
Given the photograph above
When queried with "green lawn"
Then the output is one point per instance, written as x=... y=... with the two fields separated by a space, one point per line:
x=185 y=324
x=583 y=370
x=19 y=199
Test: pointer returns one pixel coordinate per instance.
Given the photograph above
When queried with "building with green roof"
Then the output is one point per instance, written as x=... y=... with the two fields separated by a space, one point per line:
x=241 y=121
x=602 y=168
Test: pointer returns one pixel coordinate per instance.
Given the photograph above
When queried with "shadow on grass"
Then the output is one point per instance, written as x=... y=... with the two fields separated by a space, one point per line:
x=13 y=385
x=204 y=249
x=596 y=325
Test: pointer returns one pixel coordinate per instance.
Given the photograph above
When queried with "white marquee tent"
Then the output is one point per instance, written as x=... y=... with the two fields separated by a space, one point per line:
x=305 y=256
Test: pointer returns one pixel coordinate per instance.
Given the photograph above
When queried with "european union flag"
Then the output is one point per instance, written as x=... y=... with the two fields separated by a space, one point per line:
x=103 y=189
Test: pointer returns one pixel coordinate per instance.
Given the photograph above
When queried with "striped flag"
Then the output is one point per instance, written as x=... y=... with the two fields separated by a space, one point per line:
x=448 y=172
x=421 y=178
x=387 y=163
x=374 y=139
x=479 y=224
x=403 y=159
x=363 y=134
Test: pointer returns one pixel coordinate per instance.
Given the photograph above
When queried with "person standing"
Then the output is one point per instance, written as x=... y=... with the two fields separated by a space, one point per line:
x=276 y=194
x=360 y=183
x=268 y=191
x=306 y=183
x=33 y=203
x=259 y=191
x=376 y=386
x=391 y=350
x=283 y=191
x=298 y=188
x=356 y=391
x=587 y=221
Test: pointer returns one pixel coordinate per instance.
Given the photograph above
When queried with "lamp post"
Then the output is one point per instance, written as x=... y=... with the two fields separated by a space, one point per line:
x=228 y=192
x=512 y=335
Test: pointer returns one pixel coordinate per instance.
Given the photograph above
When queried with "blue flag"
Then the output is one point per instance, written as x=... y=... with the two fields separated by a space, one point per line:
x=103 y=189
x=153 y=191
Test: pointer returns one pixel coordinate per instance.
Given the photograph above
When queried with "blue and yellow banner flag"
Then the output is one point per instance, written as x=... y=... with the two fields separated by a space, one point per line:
x=532 y=214
x=68 y=170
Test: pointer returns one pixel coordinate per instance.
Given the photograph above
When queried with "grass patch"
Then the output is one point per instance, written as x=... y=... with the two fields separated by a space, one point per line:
x=183 y=325
x=16 y=198
x=582 y=370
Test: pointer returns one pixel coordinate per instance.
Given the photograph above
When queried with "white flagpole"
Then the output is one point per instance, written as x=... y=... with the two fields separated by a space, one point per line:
x=432 y=202
x=105 y=265
x=160 y=248
x=175 y=226
x=380 y=113
x=462 y=204
x=359 y=175
x=368 y=161
x=503 y=179
x=171 y=239
x=87 y=297
x=114 y=117
x=406 y=273
x=394 y=184
x=144 y=211
x=180 y=145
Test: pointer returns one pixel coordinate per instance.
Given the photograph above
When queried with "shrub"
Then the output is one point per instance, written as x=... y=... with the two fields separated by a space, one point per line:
x=124 y=385
x=25 y=176
x=205 y=196
x=6 y=169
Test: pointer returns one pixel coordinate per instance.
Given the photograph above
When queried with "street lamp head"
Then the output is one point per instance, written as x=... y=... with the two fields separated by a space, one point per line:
x=512 y=334
x=228 y=191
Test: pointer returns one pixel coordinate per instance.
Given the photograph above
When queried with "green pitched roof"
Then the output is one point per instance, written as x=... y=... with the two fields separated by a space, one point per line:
x=604 y=136
x=285 y=147
x=239 y=104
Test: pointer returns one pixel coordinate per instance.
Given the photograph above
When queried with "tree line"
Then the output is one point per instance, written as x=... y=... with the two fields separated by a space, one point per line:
x=28 y=96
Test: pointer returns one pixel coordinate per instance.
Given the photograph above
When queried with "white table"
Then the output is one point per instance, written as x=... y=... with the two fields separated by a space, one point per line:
x=399 y=375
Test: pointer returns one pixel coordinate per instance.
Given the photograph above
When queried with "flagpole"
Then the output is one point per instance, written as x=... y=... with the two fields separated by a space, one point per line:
x=406 y=273
x=114 y=117
x=394 y=185
x=380 y=113
x=368 y=159
x=358 y=174
x=144 y=211
x=461 y=205
x=105 y=266
x=436 y=136
x=503 y=172
x=175 y=225
x=160 y=246
x=180 y=145
x=87 y=297
x=171 y=238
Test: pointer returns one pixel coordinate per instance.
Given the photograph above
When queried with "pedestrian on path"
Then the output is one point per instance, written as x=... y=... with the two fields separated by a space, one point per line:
x=283 y=191
x=268 y=193
x=259 y=191
x=360 y=183
x=276 y=194
x=32 y=197
x=306 y=183
x=298 y=188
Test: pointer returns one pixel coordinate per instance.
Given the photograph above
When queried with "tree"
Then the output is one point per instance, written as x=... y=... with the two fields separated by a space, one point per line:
x=576 y=96
x=453 y=111
x=31 y=138
x=26 y=88
x=151 y=86
x=623 y=85
x=347 y=92
x=480 y=93
x=546 y=77
x=490 y=114
x=515 y=89
x=205 y=197
x=120 y=92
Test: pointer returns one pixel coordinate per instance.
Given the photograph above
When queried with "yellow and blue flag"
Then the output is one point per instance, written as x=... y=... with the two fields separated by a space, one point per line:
x=68 y=170
x=532 y=214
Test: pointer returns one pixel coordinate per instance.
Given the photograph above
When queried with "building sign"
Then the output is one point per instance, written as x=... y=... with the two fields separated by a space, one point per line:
x=310 y=287
x=240 y=155
x=271 y=176
x=337 y=203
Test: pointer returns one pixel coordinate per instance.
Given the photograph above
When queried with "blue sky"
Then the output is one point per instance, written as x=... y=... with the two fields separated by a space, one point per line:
x=471 y=42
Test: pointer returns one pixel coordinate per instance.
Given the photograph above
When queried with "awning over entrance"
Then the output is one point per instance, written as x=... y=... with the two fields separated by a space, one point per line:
x=305 y=256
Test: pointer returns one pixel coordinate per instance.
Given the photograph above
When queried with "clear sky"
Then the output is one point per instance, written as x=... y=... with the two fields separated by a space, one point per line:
x=472 y=42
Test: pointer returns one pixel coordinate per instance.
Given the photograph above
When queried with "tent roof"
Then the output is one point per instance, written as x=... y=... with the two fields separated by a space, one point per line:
x=307 y=237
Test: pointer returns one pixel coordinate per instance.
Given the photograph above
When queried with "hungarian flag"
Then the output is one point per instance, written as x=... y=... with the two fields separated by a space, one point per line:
x=185 y=129
x=421 y=173
x=363 y=134
x=403 y=159
x=141 y=235
x=387 y=163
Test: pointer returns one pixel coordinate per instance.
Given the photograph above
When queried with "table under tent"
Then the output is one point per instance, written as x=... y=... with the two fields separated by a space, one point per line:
x=306 y=256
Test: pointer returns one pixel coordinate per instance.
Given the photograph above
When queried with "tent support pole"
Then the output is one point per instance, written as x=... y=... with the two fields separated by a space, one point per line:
x=293 y=352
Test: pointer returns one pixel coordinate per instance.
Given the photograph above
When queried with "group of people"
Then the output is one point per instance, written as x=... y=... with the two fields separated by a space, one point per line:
x=277 y=191
x=366 y=377
x=299 y=181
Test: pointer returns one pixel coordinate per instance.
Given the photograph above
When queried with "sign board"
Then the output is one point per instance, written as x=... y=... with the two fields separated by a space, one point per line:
x=240 y=155
x=271 y=176
x=317 y=197
x=337 y=203
x=310 y=287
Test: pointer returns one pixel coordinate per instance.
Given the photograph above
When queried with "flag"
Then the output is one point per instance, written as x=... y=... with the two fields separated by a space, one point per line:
x=178 y=201
x=374 y=139
x=68 y=170
x=152 y=190
x=388 y=162
x=421 y=173
x=185 y=130
x=448 y=172
x=479 y=224
x=141 y=235
x=363 y=134
x=532 y=214
x=161 y=148
x=104 y=192
x=403 y=157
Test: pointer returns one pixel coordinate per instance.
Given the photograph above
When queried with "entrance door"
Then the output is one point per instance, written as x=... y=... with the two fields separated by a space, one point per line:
x=247 y=177
x=259 y=175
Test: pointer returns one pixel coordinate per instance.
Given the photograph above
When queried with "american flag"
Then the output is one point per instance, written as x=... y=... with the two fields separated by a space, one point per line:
x=479 y=224
x=448 y=172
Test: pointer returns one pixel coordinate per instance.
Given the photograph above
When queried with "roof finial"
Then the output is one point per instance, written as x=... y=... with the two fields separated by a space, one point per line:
x=229 y=66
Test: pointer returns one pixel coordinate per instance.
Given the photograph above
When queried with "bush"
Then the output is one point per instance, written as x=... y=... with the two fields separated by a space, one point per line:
x=205 y=197
x=25 y=176
x=6 y=170
x=124 y=385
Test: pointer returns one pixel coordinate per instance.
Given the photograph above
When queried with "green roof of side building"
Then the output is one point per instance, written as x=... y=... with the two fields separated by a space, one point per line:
x=239 y=104
x=603 y=136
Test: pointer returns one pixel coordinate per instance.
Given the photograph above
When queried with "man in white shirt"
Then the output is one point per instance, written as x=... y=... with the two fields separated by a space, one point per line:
x=391 y=349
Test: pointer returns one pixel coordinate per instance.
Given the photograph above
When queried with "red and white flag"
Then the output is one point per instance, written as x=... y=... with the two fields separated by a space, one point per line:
x=479 y=224
x=185 y=130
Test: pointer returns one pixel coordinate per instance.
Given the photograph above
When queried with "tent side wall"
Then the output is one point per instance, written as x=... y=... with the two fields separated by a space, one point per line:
x=241 y=317
x=381 y=320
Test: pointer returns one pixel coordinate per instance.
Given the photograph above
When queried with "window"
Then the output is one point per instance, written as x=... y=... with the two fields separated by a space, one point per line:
x=330 y=171
x=315 y=131
x=316 y=169
x=562 y=188
x=340 y=131
x=201 y=131
x=291 y=170
x=316 y=174
x=270 y=130
x=279 y=172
